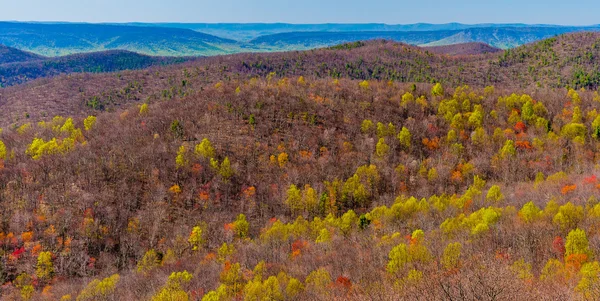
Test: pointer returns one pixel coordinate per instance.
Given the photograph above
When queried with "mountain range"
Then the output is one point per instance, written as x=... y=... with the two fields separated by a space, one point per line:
x=180 y=39
x=569 y=60
x=17 y=66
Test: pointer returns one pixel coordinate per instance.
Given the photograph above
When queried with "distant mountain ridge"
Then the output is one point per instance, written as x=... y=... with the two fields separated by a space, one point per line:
x=20 y=67
x=501 y=37
x=180 y=39
x=250 y=31
x=69 y=38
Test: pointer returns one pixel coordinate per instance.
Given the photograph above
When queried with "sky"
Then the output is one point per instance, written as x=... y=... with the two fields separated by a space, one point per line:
x=582 y=12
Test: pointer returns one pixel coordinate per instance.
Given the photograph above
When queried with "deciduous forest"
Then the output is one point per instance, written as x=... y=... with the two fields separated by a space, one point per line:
x=411 y=175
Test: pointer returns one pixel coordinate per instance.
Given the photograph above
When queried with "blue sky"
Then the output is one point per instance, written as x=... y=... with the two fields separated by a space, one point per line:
x=583 y=12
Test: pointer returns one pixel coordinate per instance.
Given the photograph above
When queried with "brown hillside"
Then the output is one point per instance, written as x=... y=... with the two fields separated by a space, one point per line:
x=463 y=49
x=569 y=60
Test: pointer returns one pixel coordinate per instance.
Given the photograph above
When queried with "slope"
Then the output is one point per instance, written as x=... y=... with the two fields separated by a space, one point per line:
x=95 y=62
x=463 y=49
x=68 y=38
x=12 y=55
x=569 y=60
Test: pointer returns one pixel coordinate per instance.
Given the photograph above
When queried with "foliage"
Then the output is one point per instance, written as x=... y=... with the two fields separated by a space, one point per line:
x=99 y=289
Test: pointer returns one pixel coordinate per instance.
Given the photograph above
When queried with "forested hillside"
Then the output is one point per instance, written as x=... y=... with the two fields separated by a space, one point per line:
x=12 y=55
x=271 y=177
x=566 y=61
x=27 y=69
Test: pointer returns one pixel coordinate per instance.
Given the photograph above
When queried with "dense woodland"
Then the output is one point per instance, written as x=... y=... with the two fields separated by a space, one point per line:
x=565 y=61
x=280 y=186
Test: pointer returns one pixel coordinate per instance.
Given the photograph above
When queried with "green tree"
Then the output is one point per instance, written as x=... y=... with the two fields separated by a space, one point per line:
x=195 y=239
x=317 y=281
x=451 y=257
x=99 y=289
x=398 y=258
x=2 y=150
x=180 y=159
x=241 y=226
x=44 y=269
x=205 y=149
x=494 y=195
x=149 y=262
x=568 y=216
x=405 y=137
x=294 y=199
x=437 y=90
x=577 y=243
x=89 y=122
x=366 y=126
x=144 y=109
x=508 y=150
x=173 y=289
x=530 y=212
x=381 y=149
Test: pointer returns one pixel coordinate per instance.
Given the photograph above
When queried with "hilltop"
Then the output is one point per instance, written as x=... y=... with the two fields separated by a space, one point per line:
x=33 y=66
x=13 y=55
x=568 y=60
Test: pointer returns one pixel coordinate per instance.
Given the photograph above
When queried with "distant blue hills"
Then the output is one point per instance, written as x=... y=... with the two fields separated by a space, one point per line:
x=207 y=39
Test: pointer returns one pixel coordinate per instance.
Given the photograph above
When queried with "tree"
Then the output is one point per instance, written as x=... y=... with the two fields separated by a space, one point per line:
x=405 y=137
x=241 y=226
x=364 y=85
x=451 y=257
x=195 y=239
x=588 y=284
x=437 y=90
x=381 y=149
x=309 y=198
x=568 y=216
x=407 y=99
x=596 y=127
x=225 y=169
x=494 y=195
x=144 y=109
x=527 y=112
x=398 y=258
x=205 y=149
x=317 y=281
x=44 y=269
x=508 y=150
x=173 y=289
x=282 y=159
x=149 y=262
x=366 y=126
x=99 y=289
x=529 y=212
x=2 y=150
x=577 y=243
x=89 y=122
x=294 y=199
x=180 y=160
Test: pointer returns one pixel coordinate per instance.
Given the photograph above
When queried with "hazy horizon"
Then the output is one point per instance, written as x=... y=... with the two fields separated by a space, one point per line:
x=290 y=23
x=307 y=12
